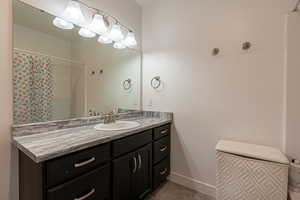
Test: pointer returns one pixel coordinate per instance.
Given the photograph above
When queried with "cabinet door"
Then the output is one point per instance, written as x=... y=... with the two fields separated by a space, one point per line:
x=142 y=179
x=122 y=177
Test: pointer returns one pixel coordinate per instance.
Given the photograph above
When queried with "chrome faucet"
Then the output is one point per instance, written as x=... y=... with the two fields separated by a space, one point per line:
x=111 y=116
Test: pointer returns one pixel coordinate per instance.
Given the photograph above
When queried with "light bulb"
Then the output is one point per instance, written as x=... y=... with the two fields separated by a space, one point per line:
x=119 y=45
x=98 y=25
x=84 y=32
x=130 y=40
x=73 y=13
x=60 y=23
x=104 y=39
x=116 y=33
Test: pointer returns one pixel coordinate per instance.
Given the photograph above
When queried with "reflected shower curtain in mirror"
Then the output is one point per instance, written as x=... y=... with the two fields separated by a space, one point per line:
x=33 y=88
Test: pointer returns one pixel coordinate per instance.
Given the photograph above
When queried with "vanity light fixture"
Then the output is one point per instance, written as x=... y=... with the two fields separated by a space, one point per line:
x=116 y=33
x=73 y=13
x=104 y=39
x=130 y=40
x=99 y=24
x=84 y=32
x=60 y=23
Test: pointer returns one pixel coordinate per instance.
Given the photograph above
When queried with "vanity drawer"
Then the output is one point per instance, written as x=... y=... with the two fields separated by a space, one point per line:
x=161 y=149
x=162 y=131
x=131 y=143
x=70 y=166
x=161 y=172
x=91 y=186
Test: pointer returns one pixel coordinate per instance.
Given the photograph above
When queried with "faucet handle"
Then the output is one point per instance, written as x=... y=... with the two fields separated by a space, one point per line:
x=115 y=110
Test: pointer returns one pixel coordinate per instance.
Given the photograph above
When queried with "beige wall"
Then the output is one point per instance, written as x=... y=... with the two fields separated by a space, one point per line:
x=5 y=100
x=293 y=92
x=237 y=95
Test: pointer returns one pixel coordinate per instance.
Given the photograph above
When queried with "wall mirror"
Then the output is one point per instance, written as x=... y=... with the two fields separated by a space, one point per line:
x=61 y=75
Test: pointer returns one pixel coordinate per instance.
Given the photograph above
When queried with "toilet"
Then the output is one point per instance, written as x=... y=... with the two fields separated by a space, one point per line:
x=250 y=172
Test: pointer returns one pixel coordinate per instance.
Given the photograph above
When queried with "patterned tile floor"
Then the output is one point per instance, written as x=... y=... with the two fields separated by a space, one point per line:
x=173 y=191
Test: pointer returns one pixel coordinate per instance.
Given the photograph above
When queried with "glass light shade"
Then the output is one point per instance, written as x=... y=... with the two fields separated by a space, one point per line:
x=116 y=33
x=119 y=45
x=84 y=32
x=73 y=13
x=130 y=40
x=98 y=25
x=104 y=39
x=60 y=23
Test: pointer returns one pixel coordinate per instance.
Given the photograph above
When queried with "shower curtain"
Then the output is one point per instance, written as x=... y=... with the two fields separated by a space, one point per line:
x=33 y=88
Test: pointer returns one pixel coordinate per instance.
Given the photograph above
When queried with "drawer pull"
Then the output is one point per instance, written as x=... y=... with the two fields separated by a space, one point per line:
x=164 y=131
x=163 y=148
x=163 y=172
x=135 y=165
x=87 y=195
x=76 y=165
x=140 y=161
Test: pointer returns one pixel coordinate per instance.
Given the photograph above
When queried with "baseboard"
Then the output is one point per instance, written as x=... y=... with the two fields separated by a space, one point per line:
x=193 y=184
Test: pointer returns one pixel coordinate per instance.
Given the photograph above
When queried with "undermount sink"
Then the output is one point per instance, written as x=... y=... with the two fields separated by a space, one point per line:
x=118 y=125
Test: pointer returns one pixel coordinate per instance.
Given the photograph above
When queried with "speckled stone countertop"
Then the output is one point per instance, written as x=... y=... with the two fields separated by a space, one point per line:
x=51 y=144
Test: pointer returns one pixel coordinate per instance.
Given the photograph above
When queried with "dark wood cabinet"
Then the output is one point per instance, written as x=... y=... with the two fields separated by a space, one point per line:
x=122 y=176
x=129 y=168
x=142 y=179
x=91 y=186
x=132 y=177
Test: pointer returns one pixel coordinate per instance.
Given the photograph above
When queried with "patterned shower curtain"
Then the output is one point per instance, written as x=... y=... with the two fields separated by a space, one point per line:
x=33 y=88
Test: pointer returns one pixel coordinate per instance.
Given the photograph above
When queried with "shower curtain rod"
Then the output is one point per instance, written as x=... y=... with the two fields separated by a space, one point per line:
x=54 y=57
x=296 y=7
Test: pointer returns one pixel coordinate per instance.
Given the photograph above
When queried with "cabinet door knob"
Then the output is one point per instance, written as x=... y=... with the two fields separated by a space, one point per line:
x=86 y=195
x=163 y=148
x=76 y=165
x=140 y=161
x=164 y=131
x=134 y=164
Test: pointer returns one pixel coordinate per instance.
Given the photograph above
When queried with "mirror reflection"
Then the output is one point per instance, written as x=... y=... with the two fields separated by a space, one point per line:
x=60 y=75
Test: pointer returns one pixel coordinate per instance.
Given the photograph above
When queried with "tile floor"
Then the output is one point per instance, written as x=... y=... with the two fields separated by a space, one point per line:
x=173 y=191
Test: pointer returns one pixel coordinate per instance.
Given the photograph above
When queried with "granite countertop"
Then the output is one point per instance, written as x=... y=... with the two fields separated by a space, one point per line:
x=51 y=144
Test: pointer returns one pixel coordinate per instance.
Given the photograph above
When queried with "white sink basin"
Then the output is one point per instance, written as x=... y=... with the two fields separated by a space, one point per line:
x=118 y=125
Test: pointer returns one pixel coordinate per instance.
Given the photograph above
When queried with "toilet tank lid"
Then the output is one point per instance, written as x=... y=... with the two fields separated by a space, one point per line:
x=252 y=151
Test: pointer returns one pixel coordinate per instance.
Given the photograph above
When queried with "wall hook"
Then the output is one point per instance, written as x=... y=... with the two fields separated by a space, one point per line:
x=246 y=45
x=215 y=51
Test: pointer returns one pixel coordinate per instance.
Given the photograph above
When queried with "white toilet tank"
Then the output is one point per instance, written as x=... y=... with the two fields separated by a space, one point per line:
x=250 y=172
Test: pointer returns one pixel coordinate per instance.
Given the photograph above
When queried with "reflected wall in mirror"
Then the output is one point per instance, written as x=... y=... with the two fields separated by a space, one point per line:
x=60 y=75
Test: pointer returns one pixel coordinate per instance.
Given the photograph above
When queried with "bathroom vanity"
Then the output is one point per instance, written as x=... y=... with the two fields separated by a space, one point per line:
x=63 y=89
x=118 y=165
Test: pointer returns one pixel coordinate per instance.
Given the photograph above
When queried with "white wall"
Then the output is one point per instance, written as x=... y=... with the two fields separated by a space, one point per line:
x=237 y=95
x=7 y=170
x=293 y=92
